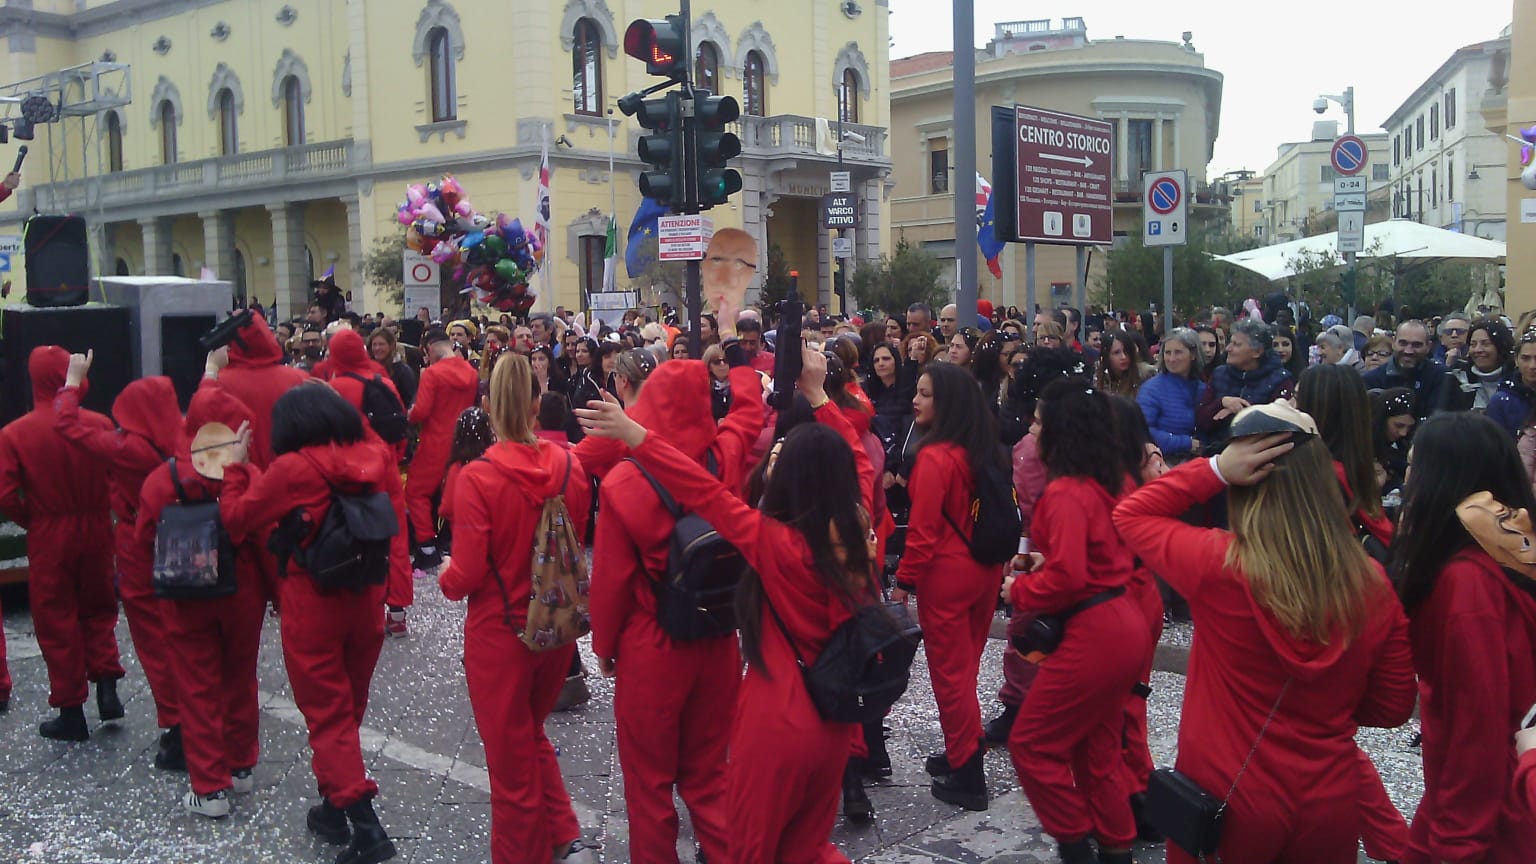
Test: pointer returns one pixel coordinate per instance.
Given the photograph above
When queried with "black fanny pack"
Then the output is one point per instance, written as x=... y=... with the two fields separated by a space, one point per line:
x=1044 y=633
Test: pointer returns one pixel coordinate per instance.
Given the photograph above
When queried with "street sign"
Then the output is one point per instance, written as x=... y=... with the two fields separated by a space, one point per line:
x=842 y=247
x=1348 y=185
x=840 y=210
x=1349 y=155
x=840 y=181
x=1351 y=202
x=613 y=300
x=683 y=237
x=1165 y=209
x=1063 y=175
x=10 y=244
x=5 y=262
x=420 y=270
x=1351 y=231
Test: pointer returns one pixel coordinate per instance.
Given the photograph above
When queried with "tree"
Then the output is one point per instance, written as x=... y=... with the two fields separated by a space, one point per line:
x=894 y=282
x=384 y=268
x=1133 y=276
x=776 y=281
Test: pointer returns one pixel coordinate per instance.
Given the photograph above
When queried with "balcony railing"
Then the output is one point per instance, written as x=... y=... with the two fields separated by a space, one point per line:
x=786 y=134
x=245 y=170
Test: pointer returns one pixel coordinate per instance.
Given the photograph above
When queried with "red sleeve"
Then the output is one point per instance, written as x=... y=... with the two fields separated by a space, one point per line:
x=11 y=501
x=926 y=523
x=740 y=428
x=831 y=415
x=1029 y=477
x=1149 y=522
x=426 y=394
x=1525 y=782
x=468 y=567
x=445 y=509
x=5 y=191
x=1060 y=527
x=98 y=440
x=598 y=455
x=1392 y=688
x=616 y=564
x=252 y=501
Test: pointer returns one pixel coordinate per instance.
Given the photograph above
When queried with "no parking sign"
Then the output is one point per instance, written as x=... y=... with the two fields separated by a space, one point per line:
x=1165 y=209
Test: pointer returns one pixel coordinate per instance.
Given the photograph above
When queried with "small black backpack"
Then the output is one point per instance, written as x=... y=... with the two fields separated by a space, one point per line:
x=994 y=516
x=194 y=558
x=382 y=408
x=865 y=666
x=351 y=547
x=697 y=597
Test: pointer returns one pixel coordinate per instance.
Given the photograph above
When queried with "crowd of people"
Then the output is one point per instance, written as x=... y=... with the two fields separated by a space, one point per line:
x=1249 y=475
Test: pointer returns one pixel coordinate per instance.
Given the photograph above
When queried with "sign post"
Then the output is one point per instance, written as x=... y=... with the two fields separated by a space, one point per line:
x=1165 y=223
x=1062 y=178
x=423 y=281
x=1349 y=157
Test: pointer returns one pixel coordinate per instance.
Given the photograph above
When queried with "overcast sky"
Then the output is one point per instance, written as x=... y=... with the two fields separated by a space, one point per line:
x=1383 y=49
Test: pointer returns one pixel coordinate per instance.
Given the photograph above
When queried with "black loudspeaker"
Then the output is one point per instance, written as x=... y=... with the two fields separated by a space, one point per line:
x=181 y=357
x=58 y=261
x=103 y=329
x=411 y=331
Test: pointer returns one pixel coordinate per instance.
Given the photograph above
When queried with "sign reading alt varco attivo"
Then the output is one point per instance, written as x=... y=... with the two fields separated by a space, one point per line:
x=1064 y=167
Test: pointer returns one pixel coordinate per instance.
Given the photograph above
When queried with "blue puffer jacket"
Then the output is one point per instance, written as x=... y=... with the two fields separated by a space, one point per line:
x=1169 y=403
x=1510 y=406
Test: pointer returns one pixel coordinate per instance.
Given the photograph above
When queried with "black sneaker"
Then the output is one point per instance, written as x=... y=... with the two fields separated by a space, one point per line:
x=937 y=765
x=170 y=756
x=1001 y=726
x=68 y=726
x=1076 y=852
x=107 y=704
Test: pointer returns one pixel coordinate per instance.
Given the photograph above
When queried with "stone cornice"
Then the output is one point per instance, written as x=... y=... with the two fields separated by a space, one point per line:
x=103 y=19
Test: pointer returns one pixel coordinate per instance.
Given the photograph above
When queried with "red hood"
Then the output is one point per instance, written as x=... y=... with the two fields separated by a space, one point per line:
x=48 y=365
x=147 y=408
x=675 y=404
x=214 y=404
x=537 y=469
x=1304 y=659
x=348 y=354
x=346 y=465
x=255 y=346
x=458 y=368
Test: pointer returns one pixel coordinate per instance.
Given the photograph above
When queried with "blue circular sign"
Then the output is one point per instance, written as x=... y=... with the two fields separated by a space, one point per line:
x=1349 y=155
x=1164 y=195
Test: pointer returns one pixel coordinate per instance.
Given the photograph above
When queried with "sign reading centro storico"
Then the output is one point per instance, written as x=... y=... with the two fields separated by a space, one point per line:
x=1064 y=177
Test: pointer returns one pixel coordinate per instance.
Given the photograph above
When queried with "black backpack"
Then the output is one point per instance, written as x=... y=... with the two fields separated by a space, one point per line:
x=865 y=665
x=194 y=558
x=382 y=408
x=697 y=597
x=994 y=516
x=351 y=547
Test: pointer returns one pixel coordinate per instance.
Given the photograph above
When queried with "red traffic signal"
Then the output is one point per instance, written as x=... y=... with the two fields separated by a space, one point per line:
x=660 y=44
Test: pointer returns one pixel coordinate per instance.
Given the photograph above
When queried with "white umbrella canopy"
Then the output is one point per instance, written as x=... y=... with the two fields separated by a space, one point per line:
x=1400 y=238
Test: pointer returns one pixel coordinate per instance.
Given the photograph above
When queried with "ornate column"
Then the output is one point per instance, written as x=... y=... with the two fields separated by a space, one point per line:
x=289 y=263
x=356 y=281
x=219 y=243
x=157 y=246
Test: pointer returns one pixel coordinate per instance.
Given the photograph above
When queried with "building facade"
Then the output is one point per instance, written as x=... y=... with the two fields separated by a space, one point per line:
x=269 y=141
x=1164 y=103
x=1446 y=165
x=1508 y=105
x=1298 y=185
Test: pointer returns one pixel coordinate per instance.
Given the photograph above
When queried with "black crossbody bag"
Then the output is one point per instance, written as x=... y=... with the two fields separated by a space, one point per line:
x=1188 y=815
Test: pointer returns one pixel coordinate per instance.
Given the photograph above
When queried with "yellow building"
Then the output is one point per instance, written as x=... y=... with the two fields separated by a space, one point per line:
x=1164 y=103
x=1508 y=106
x=270 y=140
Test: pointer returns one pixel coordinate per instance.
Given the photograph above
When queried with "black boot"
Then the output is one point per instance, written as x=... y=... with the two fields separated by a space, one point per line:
x=329 y=823
x=1144 y=830
x=856 y=805
x=68 y=726
x=170 y=756
x=878 y=765
x=1076 y=852
x=966 y=786
x=107 y=704
x=937 y=765
x=370 y=844
x=998 y=730
x=1116 y=857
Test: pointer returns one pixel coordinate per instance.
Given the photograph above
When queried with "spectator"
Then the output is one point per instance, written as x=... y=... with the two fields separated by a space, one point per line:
x=1393 y=419
x=1252 y=375
x=1411 y=367
x=750 y=332
x=1364 y=328
x=541 y=325
x=311 y=348
x=1210 y=349
x=961 y=346
x=919 y=318
x=1454 y=331
x=1489 y=366
x=1376 y=353
x=388 y=354
x=1511 y=407
x=1170 y=398
x=949 y=323
x=1336 y=346
x=1123 y=366
x=920 y=347
x=895 y=330
x=1285 y=350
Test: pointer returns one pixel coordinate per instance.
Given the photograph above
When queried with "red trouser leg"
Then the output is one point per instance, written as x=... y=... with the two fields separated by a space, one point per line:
x=1018 y=673
x=1066 y=742
x=1383 y=829
x=955 y=614
x=1136 y=755
x=5 y=670
x=400 y=590
x=74 y=606
x=512 y=691
x=330 y=646
x=148 y=626
x=422 y=481
x=673 y=708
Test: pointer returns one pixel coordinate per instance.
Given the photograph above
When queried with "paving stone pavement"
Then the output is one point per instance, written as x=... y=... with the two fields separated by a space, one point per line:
x=103 y=802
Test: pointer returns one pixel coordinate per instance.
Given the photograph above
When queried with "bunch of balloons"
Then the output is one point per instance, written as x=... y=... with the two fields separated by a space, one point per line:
x=1528 y=139
x=494 y=259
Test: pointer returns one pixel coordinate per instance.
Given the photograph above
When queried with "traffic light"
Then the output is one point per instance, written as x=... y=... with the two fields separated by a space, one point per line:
x=713 y=147
x=661 y=44
x=662 y=150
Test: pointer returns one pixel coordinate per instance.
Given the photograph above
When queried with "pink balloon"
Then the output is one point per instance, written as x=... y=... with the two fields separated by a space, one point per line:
x=430 y=211
x=447 y=251
x=464 y=209
x=404 y=216
x=415 y=194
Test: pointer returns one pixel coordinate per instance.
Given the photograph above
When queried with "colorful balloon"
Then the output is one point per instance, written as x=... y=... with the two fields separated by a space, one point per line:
x=508 y=270
x=413 y=239
x=496 y=245
x=451 y=191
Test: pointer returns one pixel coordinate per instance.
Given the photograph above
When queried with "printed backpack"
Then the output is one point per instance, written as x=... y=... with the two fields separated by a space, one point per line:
x=383 y=409
x=557 y=605
x=194 y=558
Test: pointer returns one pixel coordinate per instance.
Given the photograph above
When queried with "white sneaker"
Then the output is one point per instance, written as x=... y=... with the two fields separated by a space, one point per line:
x=213 y=806
x=241 y=782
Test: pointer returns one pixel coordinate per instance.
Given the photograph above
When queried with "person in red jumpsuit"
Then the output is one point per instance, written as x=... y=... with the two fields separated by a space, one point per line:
x=54 y=490
x=255 y=375
x=1473 y=631
x=957 y=594
x=216 y=640
x=149 y=421
x=783 y=781
x=1287 y=681
x=448 y=386
x=331 y=640
x=673 y=701
x=497 y=504
x=349 y=358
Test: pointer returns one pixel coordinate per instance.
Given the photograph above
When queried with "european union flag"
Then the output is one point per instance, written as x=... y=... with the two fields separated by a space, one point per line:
x=986 y=238
x=641 y=228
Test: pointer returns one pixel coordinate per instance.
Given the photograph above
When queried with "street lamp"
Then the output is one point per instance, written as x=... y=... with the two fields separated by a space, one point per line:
x=1346 y=101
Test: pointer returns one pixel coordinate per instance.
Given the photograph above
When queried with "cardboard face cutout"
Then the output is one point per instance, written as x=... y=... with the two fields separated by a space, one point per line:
x=212 y=450
x=729 y=268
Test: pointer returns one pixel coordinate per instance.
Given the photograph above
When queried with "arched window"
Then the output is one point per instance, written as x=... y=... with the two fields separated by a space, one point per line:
x=114 y=142
x=121 y=268
x=754 y=86
x=229 y=137
x=848 y=99
x=167 y=133
x=178 y=268
x=239 y=280
x=444 y=93
x=293 y=111
x=587 y=68
x=706 y=68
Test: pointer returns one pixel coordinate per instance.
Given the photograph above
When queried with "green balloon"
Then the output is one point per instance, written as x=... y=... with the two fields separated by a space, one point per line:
x=496 y=245
x=508 y=270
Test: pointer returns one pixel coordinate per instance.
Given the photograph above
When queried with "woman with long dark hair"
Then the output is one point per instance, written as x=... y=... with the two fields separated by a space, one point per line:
x=1285 y=348
x=587 y=381
x=1393 y=419
x=1488 y=366
x=809 y=570
x=1123 y=364
x=1066 y=742
x=549 y=374
x=1474 y=644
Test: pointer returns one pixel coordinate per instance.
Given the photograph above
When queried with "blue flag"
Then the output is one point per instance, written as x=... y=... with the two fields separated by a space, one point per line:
x=641 y=228
x=986 y=238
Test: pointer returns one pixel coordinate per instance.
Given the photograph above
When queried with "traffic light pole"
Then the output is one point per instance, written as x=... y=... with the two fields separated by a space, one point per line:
x=964 y=113
x=693 y=289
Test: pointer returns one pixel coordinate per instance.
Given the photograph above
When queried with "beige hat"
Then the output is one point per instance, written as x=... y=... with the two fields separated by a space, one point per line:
x=1273 y=418
x=212 y=449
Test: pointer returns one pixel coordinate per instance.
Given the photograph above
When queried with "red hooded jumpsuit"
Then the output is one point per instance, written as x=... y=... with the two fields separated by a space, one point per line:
x=349 y=356
x=331 y=642
x=673 y=701
x=1298 y=800
x=956 y=594
x=1474 y=647
x=256 y=376
x=54 y=490
x=217 y=640
x=512 y=689
x=784 y=778
x=448 y=386
x=150 y=424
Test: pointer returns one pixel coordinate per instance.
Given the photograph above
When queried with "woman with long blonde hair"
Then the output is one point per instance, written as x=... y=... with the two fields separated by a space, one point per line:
x=1301 y=638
